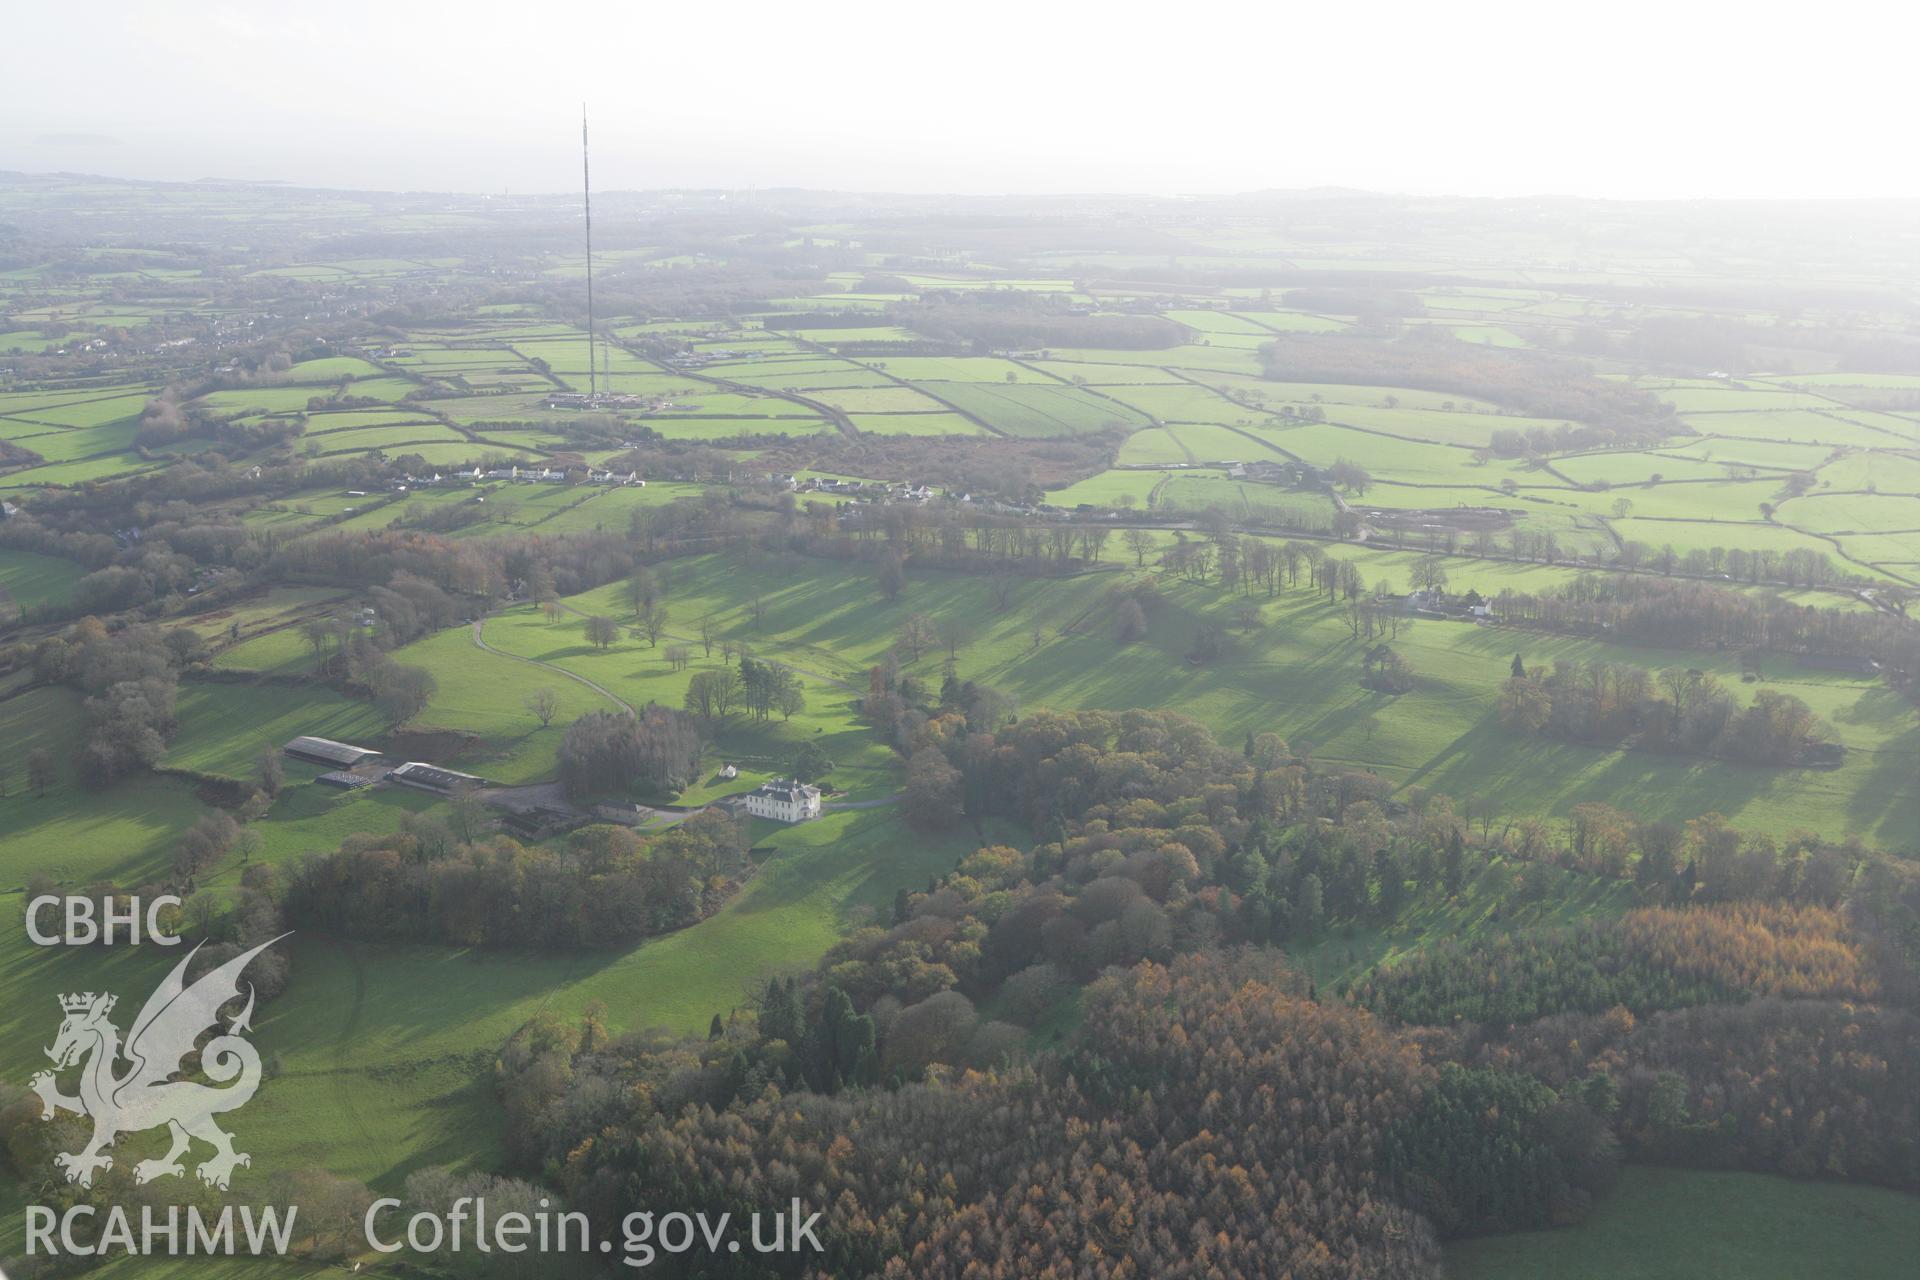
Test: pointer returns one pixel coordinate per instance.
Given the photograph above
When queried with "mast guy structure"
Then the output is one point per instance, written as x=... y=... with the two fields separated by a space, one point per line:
x=586 y=195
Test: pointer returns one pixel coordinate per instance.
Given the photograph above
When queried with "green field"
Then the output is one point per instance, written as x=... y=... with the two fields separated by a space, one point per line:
x=775 y=331
x=1672 y=1224
x=1297 y=676
x=30 y=580
x=1037 y=410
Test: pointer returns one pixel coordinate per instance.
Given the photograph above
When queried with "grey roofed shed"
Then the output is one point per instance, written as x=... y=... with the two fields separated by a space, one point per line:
x=342 y=755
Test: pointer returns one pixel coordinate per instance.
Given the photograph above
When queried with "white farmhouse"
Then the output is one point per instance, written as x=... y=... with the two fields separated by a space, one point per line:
x=783 y=801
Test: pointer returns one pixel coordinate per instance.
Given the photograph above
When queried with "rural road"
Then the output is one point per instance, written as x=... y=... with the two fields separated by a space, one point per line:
x=480 y=641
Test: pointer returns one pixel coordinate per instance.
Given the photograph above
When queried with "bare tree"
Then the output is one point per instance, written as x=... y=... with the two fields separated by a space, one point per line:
x=39 y=770
x=917 y=634
x=1140 y=542
x=653 y=620
x=602 y=631
x=318 y=633
x=466 y=814
x=543 y=703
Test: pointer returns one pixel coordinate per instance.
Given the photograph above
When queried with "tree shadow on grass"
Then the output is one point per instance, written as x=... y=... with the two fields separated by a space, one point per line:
x=1885 y=804
x=1524 y=774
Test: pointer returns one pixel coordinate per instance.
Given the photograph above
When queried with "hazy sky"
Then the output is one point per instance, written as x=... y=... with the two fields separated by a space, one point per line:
x=1626 y=100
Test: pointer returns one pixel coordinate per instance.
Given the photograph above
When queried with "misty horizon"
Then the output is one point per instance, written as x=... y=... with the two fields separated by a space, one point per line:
x=1659 y=104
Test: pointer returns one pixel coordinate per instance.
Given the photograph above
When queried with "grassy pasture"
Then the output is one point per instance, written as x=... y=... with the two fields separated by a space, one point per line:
x=952 y=369
x=71 y=831
x=1187 y=491
x=1853 y=513
x=1794 y=426
x=1297 y=676
x=638 y=673
x=1729 y=500
x=266 y=610
x=1108 y=488
x=331 y=369
x=1676 y=1224
x=485 y=694
x=1295 y=321
x=1343 y=393
x=225 y=727
x=1219 y=322
x=1637 y=467
x=284 y=652
x=1033 y=411
x=878 y=400
x=1436 y=425
x=1325 y=443
x=1757 y=453
x=450 y=454
x=261 y=399
x=1841 y=382
x=1488 y=335
x=1107 y=374
x=322 y=424
x=720 y=428
x=1726 y=399
x=1211 y=443
x=76 y=443
x=1153 y=446
x=25 y=403
x=1184 y=402
x=1685 y=535
x=915 y=424
x=808 y=380
x=91 y=412
x=75 y=473
x=1396 y=494
x=29 y=579
x=1885 y=549
x=1884 y=472
x=537 y=441
x=1900 y=427
x=390 y=439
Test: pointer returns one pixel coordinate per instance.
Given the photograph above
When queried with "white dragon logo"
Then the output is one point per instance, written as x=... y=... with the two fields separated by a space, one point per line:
x=144 y=1097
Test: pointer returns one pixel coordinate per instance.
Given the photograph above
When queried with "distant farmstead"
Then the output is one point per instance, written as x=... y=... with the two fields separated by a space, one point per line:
x=783 y=801
x=431 y=777
x=341 y=755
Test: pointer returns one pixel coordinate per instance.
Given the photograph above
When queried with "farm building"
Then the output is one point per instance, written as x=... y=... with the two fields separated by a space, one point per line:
x=431 y=777
x=783 y=801
x=341 y=755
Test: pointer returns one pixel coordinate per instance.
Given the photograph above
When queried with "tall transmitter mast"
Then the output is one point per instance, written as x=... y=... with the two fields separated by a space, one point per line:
x=586 y=195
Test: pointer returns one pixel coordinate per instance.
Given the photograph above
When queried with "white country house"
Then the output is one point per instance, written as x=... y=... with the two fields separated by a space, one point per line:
x=783 y=801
